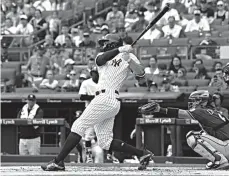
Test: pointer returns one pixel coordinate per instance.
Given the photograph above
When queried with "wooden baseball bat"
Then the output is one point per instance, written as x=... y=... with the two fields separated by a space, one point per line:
x=153 y=22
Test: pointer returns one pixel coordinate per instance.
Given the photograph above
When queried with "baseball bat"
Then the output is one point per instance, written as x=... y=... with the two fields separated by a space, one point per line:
x=153 y=22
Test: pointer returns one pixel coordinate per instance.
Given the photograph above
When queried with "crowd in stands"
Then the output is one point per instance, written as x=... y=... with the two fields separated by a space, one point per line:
x=53 y=62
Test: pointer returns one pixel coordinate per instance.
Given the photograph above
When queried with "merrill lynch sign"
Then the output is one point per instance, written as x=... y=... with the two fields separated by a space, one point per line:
x=159 y=121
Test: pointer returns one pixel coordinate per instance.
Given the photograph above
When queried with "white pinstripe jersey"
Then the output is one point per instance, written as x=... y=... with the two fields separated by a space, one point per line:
x=113 y=74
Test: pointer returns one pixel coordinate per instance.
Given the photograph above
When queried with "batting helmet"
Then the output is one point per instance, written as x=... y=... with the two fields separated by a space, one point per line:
x=110 y=41
x=226 y=73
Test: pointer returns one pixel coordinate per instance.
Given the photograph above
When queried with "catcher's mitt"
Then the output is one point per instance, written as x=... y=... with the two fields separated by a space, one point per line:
x=149 y=107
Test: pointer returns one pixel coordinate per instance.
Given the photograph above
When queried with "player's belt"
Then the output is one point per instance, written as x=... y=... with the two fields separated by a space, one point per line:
x=103 y=91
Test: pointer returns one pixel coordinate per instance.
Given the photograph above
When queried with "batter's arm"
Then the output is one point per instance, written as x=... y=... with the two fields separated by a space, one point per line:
x=102 y=58
x=135 y=66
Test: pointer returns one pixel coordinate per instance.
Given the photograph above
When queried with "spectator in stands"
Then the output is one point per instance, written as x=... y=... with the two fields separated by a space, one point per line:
x=31 y=14
x=58 y=5
x=131 y=16
x=142 y=83
x=87 y=41
x=105 y=30
x=43 y=5
x=217 y=80
x=49 y=42
x=198 y=23
x=175 y=65
x=77 y=56
x=77 y=35
x=172 y=12
x=25 y=28
x=27 y=5
x=61 y=38
x=167 y=87
x=217 y=65
x=68 y=67
x=141 y=24
x=124 y=35
x=30 y=140
x=153 y=67
x=13 y=15
x=152 y=33
x=114 y=16
x=37 y=65
x=97 y=25
x=40 y=25
x=172 y=30
x=153 y=87
x=49 y=82
x=8 y=28
x=150 y=13
x=221 y=13
x=4 y=53
x=218 y=100
x=58 y=59
x=180 y=7
x=201 y=72
x=206 y=52
x=206 y=10
x=72 y=85
x=54 y=24
x=90 y=66
x=68 y=42
x=180 y=79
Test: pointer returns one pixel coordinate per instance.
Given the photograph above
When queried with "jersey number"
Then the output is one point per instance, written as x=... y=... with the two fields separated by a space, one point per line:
x=116 y=63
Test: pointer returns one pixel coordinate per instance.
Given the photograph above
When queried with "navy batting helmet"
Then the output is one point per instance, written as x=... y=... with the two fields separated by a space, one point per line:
x=110 y=41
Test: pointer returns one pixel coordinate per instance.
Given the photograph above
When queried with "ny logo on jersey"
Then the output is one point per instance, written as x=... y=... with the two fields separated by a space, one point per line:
x=116 y=63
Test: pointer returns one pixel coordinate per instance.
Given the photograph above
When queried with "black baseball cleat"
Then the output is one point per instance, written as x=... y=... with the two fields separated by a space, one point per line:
x=217 y=166
x=145 y=159
x=53 y=166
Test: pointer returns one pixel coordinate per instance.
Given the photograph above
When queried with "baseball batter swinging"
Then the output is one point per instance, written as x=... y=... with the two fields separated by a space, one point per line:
x=114 y=63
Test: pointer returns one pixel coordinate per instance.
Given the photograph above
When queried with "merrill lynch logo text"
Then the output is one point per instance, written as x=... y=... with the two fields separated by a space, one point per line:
x=158 y=120
x=8 y=122
x=43 y=121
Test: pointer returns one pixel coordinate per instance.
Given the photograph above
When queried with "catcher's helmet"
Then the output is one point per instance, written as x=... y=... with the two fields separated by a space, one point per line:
x=226 y=73
x=110 y=41
x=198 y=98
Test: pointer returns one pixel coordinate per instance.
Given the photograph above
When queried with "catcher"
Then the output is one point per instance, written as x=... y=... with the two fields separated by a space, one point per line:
x=212 y=142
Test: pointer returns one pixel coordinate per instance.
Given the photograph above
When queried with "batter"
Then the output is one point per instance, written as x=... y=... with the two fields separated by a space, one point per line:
x=114 y=63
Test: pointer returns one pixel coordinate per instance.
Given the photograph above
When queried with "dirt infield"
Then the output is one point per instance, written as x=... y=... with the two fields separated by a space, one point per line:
x=109 y=169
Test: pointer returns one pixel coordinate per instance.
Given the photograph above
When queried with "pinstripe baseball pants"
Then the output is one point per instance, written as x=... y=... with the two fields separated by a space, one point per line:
x=100 y=113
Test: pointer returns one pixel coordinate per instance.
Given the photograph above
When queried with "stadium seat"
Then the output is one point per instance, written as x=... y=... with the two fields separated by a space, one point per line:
x=220 y=28
x=148 y=50
x=190 y=75
x=129 y=83
x=221 y=41
x=15 y=65
x=145 y=63
x=180 y=41
x=8 y=76
x=225 y=34
x=160 y=42
x=180 y=82
x=215 y=33
x=60 y=77
x=187 y=88
x=194 y=34
x=216 y=22
x=123 y=89
x=187 y=16
x=61 y=83
x=195 y=41
x=137 y=89
x=198 y=82
x=134 y=35
x=210 y=89
x=143 y=42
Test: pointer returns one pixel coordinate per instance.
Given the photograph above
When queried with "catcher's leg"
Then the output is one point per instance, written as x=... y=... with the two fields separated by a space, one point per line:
x=203 y=148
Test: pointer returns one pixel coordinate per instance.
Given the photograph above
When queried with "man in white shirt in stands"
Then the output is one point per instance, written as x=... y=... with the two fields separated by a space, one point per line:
x=61 y=38
x=43 y=5
x=198 y=23
x=172 y=30
x=87 y=93
x=152 y=33
x=9 y=28
x=24 y=28
x=49 y=82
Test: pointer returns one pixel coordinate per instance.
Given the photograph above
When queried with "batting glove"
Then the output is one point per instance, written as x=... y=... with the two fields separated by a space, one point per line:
x=125 y=48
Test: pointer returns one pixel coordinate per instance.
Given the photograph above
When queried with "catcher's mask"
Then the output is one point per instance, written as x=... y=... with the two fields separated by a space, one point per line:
x=226 y=73
x=198 y=98
x=109 y=42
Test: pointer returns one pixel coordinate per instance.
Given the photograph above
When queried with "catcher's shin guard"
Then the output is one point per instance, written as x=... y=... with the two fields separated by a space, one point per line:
x=203 y=148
